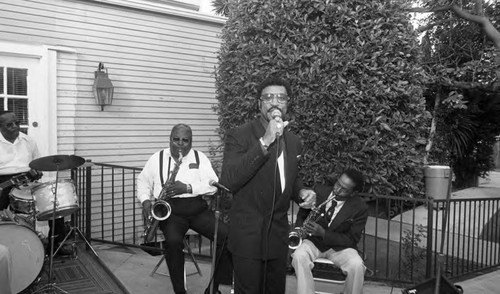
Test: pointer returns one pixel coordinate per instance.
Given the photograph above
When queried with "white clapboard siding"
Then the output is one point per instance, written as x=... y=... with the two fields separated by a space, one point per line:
x=162 y=67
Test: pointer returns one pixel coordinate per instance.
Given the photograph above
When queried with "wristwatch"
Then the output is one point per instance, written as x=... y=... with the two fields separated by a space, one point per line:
x=263 y=144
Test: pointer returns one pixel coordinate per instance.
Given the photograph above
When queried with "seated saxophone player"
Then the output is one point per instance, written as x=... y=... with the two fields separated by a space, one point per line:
x=182 y=175
x=333 y=234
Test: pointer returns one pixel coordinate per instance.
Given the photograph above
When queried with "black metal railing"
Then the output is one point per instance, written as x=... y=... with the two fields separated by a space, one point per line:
x=401 y=242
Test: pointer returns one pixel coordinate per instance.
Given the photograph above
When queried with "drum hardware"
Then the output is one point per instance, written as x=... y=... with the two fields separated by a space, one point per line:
x=22 y=179
x=55 y=163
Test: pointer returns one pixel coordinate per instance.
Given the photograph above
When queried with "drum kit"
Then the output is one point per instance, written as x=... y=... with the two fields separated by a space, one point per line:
x=30 y=204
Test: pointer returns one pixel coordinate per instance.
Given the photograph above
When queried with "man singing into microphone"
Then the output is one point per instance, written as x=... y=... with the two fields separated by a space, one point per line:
x=185 y=186
x=260 y=168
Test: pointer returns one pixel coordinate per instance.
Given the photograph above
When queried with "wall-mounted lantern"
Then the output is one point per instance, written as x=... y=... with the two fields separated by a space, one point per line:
x=103 y=88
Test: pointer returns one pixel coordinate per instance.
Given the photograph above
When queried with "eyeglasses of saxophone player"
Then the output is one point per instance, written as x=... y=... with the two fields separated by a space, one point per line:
x=340 y=188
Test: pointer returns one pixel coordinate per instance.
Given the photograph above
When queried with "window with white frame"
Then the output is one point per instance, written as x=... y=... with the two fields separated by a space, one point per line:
x=14 y=93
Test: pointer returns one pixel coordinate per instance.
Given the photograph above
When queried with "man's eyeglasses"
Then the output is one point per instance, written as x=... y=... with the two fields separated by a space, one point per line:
x=339 y=188
x=11 y=124
x=282 y=98
x=178 y=140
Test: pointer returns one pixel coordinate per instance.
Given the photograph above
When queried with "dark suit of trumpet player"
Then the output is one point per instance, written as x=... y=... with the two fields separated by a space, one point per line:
x=189 y=210
x=262 y=173
x=335 y=235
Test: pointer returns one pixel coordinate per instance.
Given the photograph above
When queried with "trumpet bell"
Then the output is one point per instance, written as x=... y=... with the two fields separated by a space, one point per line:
x=161 y=210
x=294 y=240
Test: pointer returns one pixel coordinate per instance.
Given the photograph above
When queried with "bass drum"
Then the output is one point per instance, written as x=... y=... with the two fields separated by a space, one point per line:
x=27 y=253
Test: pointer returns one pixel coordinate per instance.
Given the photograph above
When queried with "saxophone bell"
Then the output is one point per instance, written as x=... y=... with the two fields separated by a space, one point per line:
x=294 y=239
x=296 y=236
x=161 y=210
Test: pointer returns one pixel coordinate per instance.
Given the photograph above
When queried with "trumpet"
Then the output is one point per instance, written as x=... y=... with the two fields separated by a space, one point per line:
x=296 y=236
x=161 y=209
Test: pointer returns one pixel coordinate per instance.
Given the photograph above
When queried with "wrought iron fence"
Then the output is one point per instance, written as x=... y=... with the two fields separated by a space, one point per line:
x=402 y=241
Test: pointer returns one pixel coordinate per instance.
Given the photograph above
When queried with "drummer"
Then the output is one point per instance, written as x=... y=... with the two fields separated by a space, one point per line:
x=17 y=150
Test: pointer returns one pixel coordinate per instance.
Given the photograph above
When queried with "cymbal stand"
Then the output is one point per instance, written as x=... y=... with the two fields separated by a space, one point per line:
x=52 y=285
x=77 y=230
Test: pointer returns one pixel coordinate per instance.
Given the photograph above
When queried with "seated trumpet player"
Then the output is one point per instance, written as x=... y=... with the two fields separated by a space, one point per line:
x=179 y=176
x=331 y=230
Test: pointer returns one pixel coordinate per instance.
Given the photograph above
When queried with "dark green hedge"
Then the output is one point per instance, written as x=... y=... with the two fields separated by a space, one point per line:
x=354 y=67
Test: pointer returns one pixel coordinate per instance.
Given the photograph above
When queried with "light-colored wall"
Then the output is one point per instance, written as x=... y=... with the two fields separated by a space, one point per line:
x=161 y=62
x=161 y=66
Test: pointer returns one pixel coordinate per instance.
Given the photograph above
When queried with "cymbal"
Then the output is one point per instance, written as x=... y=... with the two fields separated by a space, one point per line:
x=57 y=162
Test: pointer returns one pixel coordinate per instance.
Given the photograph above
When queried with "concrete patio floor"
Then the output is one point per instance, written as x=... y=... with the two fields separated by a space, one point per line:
x=133 y=266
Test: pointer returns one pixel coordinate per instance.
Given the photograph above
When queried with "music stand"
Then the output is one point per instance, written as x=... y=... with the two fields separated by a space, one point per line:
x=54 y=163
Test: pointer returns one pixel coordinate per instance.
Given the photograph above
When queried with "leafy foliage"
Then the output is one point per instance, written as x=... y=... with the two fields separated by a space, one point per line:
x=463 y=65
x=354 y=67
x=221 y=7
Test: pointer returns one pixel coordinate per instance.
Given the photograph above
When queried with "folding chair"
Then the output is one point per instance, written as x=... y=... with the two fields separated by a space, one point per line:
x=190 y=252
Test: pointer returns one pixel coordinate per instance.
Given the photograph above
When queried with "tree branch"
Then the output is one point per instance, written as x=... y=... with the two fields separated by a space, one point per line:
x=425 y=10
x=431 y=25
x=469 y=85
x=485 y=23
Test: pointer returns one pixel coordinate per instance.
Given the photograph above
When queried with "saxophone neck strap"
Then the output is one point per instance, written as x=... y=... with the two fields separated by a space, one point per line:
x=170 y=162
x=161 y=165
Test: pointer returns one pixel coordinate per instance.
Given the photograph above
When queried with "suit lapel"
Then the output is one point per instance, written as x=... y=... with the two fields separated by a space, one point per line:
x=343 y=213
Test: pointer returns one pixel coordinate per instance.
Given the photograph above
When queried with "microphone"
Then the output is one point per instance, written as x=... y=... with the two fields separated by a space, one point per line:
x=276 y=113
x=218 y=185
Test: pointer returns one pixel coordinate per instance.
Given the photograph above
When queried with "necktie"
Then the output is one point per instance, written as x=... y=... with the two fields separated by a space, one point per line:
x=329 y=212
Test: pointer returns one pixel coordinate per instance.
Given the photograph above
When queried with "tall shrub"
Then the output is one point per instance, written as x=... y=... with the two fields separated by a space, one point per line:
x=354 y=67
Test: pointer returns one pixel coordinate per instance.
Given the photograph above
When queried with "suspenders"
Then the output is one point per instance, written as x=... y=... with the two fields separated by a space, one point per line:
x=170 y=161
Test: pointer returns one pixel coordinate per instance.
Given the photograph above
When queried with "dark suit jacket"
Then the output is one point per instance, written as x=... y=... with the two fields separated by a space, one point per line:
x=249 y=172
x=347 y=226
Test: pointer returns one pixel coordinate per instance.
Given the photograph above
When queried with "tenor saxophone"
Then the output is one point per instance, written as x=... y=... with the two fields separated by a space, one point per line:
x=161 y=209
x=296 y=236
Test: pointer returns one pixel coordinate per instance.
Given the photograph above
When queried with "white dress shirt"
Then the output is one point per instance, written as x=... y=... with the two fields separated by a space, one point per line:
x=281 y=168
x=336 y=210
x=16 y=157
x=149 y=184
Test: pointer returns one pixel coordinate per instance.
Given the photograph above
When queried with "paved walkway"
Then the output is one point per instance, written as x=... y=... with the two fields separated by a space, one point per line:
x=133 y=266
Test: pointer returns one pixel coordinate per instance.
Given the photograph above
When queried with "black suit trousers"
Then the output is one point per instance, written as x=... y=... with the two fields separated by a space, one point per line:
x=251 y=275
x=193 y=213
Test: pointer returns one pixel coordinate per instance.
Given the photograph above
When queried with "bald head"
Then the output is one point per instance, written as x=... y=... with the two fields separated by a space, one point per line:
x=181 y=139
x=9 y=125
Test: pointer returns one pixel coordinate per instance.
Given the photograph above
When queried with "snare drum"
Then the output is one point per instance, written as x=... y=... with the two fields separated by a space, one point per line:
x=26 y=250
x=21 y=199
x=66 y=204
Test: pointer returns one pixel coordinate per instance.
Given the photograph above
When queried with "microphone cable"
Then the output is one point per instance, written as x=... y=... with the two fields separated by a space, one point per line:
x=275 y=184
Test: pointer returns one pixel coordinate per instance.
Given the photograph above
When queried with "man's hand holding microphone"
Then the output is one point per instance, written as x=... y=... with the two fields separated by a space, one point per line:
x=274 y=128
